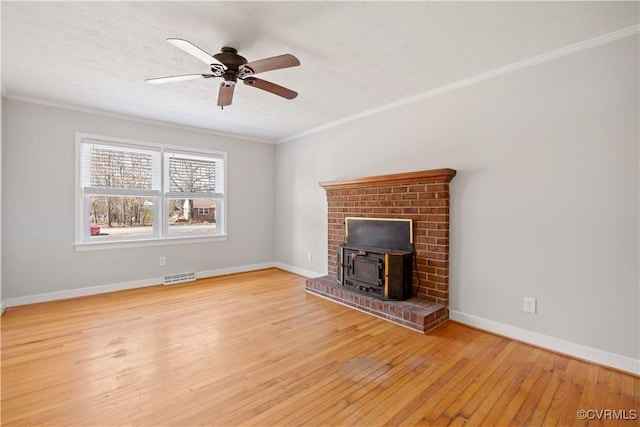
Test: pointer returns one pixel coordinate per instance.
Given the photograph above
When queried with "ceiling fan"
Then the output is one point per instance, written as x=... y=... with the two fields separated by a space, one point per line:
x=233 y=67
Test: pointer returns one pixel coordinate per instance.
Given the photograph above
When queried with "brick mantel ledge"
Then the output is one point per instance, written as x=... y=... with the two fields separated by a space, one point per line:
x=433 y=175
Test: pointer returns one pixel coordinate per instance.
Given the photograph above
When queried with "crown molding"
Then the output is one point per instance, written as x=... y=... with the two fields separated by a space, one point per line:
x=535 y=60
x=131 y=118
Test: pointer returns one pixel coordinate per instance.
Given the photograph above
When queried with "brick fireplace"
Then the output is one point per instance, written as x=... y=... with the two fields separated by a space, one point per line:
x=420 y=196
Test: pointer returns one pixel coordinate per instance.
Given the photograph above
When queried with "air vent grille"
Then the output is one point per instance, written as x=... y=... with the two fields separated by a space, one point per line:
x=173 y=279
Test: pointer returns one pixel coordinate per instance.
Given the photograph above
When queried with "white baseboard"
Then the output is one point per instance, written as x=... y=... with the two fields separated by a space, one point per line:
x=579 y=351
x=302 y=272
x=81 y=292
x=234 y=270
x=101 y=289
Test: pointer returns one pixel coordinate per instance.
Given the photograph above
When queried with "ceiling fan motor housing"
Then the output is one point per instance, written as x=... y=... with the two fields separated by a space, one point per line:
x=230 y=58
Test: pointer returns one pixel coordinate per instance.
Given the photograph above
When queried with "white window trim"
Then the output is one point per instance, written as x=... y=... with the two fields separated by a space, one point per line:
x=82 y=244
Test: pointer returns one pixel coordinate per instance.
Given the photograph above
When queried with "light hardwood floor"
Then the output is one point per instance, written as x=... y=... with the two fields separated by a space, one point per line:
x=256 y=349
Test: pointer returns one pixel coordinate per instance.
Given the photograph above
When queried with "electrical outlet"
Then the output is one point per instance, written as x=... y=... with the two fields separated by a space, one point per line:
x=309 y=257
x=530 y=305
x=163 y=260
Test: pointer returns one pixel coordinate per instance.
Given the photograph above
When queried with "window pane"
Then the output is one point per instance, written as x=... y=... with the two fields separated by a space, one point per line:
x=120 y=216
x=114 y=167
x=192 y=216
x=189 y=173
x=134 y=189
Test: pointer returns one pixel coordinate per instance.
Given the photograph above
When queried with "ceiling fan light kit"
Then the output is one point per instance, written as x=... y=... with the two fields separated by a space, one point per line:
x=232 y=67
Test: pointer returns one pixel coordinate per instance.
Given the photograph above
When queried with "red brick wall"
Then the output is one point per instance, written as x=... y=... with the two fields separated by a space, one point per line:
x=420 y=196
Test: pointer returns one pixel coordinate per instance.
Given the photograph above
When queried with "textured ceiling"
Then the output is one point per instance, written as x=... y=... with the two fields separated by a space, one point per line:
x=355 y=56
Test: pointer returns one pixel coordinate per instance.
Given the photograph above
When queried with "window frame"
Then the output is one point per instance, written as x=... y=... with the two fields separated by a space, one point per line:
x=160 y=224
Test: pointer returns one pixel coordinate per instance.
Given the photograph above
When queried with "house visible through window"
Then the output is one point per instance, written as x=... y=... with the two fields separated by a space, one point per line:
x=132 y=191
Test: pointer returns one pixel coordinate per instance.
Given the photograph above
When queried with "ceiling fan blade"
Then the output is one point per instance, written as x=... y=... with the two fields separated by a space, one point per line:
x=225 y=95
x=194 y=50
x=270 y=87
x=178 y=78
x=273 y=63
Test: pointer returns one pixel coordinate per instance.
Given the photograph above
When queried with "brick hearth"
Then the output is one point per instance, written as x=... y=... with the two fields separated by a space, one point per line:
x=415 y=313
x=421 y=196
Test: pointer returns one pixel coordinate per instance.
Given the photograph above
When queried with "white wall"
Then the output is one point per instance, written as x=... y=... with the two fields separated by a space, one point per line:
x=544 y=205
x=1 y=144
x=38 y=205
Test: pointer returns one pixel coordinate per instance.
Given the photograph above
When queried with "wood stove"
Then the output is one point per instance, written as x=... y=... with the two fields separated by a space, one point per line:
x=377 y=257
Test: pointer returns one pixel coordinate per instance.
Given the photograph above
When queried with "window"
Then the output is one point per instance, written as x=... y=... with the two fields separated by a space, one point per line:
x=143 y=191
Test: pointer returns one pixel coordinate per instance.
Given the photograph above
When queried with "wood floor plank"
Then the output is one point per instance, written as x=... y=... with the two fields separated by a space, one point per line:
x=400 y=391
x=351 y=400
x=505 y=407
x=256 y=349
x=532 y=396
x=456 y=369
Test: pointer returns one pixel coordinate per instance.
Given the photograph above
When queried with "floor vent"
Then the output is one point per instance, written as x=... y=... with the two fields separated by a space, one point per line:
x=172 y=279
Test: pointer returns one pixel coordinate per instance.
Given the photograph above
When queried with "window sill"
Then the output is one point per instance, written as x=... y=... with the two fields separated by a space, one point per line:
x=123 y=244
